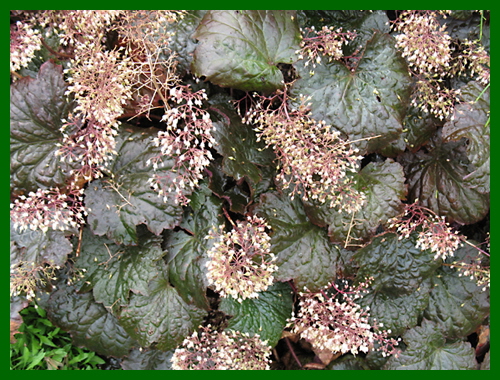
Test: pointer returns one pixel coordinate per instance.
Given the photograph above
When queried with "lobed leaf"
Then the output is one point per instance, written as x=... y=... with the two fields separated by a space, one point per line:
x=237 y=144
x=37 y=108
x=147 y=360
x=88 y=322
x=241 y=49
x=303 y=250
x=39 y=248
x=160 y=317
x=113 y=271
x=384 y=188
x=471 y=121
x=124 y=200
x=436 y=179
x=369 y=100
x=457 y=304
x=266 y=315
x=397 y=266
x=427 y=349
x=186 y=249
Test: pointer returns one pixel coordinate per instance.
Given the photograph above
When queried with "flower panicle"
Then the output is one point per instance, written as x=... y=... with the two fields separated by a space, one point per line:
x=213 y=350
x=241 y=263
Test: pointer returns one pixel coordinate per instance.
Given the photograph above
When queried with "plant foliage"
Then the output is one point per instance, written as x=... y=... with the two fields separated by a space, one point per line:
x=250 y=189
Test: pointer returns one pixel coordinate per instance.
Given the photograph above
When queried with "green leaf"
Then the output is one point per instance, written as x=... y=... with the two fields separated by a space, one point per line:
x=368 y=101
x=303 y=250
x=37 y=107
x=119 y=203
x=162 y=317
x=397 y=312
x=240 y=49
x=436 y=179
x=148 y=360
x=237 y=144
x=383 y=185
x=186 y=249
x=266 y=315
x=397 y=266
x=457 y=304
x=39 y=248
x=427 y=349
x=471 y=121
x=88 y=322
x=401 y=273
x=114 y=271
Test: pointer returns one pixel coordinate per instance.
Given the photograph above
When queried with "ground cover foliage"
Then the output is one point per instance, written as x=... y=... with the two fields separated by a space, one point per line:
x=253 y=189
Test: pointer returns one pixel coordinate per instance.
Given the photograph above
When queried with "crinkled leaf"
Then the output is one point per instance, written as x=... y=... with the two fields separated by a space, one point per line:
x=471 y=121
x=39 y=248
x=368 y=101
x=419 y=128
x=266 y=315
x=186 y=249
x=427 y=349
x=119 y=203
x=303 y=250
x=37 y=106
x=162 y=317
x=147 y=360
x=114 y=271
x=226 y=188
x=397 y=266
x=436 y=178
x=383 y=185
x=457 y=304
x=240 y=49
x=182 y=41
x=88 y=322
x=397 y=312
x=237 y=143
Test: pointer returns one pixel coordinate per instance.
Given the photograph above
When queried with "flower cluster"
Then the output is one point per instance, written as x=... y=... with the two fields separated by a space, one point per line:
x=326 y=42
x=475 y=57
x=226 y=350
x=334 y=322
x=434 y=232
x=240 y=262
x=24 y=42
x=424 y=42
x=475 y=270
x=76 y=28
x=188 y=138
x=315 y=161
x=46 y=209
x=26 y=277
x=432 y=58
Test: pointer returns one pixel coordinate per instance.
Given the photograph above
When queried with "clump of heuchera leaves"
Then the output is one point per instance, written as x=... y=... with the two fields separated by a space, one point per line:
x=225 y=350
x=314 y=160
x=240 y=263
x=331 y=321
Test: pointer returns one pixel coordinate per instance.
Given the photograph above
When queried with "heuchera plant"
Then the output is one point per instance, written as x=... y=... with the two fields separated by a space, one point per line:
x=254 y=189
